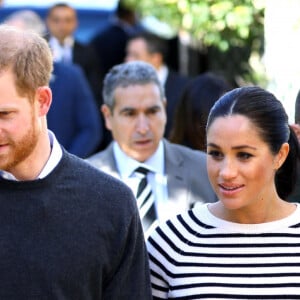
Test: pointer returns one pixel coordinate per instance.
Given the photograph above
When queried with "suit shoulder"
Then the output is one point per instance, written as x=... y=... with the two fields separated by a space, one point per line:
x=98 y=157
x=105 y=161
x=187 y=152
x=96 y=176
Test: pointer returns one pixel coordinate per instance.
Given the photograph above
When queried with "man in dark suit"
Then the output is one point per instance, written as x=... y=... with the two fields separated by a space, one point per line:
x=154 y=49
x=73 y=115
x=134 y=111
x=110 y=43
x=61 y=23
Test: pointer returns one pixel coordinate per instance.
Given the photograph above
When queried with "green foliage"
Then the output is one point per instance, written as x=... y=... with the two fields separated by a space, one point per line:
x=220 y=23
x=227 y=26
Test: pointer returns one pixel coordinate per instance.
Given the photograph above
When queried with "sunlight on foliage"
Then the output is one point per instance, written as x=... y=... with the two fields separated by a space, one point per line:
x=230 y=26
x=214 y=22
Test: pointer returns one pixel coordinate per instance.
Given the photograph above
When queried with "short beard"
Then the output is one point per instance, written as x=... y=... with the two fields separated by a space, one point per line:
x=21 y=149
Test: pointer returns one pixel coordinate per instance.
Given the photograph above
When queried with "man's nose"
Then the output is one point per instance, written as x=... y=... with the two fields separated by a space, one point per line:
x=142 y=124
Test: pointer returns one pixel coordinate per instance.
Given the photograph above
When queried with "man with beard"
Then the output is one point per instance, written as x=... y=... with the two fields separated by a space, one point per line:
x=67 y=230
x=73 y=117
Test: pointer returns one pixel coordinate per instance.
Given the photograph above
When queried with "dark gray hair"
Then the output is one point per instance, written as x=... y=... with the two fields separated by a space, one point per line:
x=127 y=74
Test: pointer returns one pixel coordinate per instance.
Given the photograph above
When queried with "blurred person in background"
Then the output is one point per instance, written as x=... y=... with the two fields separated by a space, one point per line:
x=199 y=96
x=110 y=43
x=153 y=49
x=74 y=116
x=134 y=111
x=61 y=21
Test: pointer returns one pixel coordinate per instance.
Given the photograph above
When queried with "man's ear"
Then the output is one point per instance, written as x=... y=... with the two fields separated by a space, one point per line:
x=107 y=114
x=165 y=103
x=43 y=100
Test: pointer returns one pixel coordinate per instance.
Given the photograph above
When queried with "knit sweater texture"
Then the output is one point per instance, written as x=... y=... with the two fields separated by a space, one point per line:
x=199 y=256
x=75 y=234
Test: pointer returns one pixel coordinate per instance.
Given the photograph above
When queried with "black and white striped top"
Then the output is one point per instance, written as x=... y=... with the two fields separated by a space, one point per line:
x=199 y=256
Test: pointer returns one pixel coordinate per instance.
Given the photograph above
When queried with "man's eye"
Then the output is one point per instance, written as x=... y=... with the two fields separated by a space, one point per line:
x=128 y=113
x=5 y=113
x=153 y=111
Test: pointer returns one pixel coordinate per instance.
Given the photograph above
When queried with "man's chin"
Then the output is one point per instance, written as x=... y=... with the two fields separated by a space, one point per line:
x=6 y=165
x=141 y=156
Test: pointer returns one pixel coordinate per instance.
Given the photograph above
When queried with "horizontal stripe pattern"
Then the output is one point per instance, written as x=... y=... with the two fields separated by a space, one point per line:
x=198 y=256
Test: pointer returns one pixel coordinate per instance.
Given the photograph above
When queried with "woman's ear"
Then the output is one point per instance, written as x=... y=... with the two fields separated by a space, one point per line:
x=282 y=155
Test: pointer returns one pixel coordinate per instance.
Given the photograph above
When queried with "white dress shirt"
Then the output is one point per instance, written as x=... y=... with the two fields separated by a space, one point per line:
x=162 y=74
x=62 y=52
x=54 y=159
x=156 y=178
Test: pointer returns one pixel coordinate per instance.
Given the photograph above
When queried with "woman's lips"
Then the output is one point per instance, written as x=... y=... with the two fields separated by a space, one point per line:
x=230 y=189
